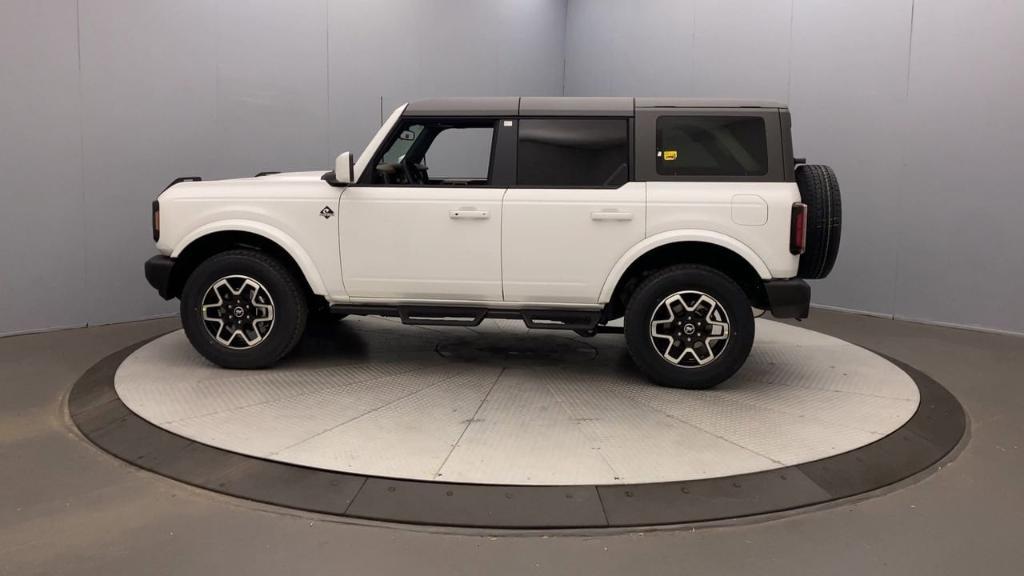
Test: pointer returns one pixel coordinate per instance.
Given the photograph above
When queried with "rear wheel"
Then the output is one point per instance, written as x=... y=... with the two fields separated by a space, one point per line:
x=689 y=326
x=243 y=309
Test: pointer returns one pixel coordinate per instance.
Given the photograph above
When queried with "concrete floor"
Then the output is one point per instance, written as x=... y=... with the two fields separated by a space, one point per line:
x=66 y=507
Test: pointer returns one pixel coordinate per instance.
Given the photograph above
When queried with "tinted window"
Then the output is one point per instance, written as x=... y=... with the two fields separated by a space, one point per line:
x=711 y=146
x=460 y=153
x=437 y=153
x=583 y=152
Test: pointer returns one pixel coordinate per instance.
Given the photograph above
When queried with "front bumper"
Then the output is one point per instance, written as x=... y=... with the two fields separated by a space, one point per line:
x=158 y=274
x=788 y=298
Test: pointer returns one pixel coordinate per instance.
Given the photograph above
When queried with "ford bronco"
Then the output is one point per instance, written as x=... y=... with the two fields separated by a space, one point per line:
x=678 y=216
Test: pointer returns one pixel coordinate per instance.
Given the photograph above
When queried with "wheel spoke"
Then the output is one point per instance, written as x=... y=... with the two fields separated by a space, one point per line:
x=689 y=328
x=238 y=312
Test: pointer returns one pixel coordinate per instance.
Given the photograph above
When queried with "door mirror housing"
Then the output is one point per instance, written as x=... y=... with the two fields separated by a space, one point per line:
x=343 y=168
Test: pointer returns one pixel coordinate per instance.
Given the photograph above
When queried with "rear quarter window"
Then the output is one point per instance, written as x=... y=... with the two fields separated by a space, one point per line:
x=711 y=146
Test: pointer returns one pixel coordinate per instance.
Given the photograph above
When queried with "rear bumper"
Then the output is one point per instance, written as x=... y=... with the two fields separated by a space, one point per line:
x=788 y=298
x=158 y=274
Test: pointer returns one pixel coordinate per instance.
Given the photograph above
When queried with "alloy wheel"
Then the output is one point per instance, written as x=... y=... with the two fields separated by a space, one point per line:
x=238 y=312
x=689 y=329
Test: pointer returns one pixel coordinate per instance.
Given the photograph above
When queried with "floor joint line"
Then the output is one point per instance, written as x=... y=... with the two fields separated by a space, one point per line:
x=469 y=423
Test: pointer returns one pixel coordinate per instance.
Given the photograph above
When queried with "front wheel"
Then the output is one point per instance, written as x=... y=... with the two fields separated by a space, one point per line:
x=243 y=309
x=689 y=326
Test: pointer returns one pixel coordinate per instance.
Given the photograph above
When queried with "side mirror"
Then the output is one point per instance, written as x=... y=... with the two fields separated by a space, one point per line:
x=343 y=167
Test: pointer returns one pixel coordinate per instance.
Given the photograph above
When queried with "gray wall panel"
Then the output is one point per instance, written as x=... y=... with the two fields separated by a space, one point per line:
x=848 y=99
x=41 y=208
x=149 y=102
x=272 y=86
x=505 y=47
x=961 y=241
x=188 y=88
x=738 y=48
x=741 y=49
x=616 y=48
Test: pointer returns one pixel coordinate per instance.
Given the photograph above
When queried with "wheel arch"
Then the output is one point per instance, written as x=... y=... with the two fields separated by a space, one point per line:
x=207 y=241
x=714 y=250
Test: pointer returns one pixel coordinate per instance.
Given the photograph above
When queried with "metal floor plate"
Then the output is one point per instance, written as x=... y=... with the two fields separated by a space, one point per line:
x=498 y=404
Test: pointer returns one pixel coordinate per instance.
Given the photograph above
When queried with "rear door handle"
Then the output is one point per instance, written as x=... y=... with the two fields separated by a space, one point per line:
x=611 y=215
x=469 y=214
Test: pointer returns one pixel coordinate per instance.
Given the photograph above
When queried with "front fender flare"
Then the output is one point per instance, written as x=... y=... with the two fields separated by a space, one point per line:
x=282 y=239
x=673 y=237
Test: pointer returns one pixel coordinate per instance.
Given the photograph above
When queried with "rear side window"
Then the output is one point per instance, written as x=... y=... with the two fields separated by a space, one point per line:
x=573 y=152
x=711 y=146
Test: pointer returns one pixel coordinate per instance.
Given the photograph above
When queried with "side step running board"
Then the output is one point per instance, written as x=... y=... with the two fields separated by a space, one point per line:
x=441 y=316
x=554 y=319
x=560 y=319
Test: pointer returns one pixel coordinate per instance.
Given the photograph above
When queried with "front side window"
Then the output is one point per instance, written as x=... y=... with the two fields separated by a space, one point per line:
x=711 y=146
x=573 y=152
x=437 y=153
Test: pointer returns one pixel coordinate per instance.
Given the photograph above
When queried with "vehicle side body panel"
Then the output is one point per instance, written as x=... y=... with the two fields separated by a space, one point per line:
x=756 y=215
x=407 y=243
x=285 y=209
x=558 y=244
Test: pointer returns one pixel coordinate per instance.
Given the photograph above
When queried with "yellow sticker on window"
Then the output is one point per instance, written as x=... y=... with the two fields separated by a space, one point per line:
x=669 y=155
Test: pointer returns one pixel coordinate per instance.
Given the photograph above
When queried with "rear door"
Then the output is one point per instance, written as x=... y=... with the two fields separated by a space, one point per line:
x=573 y=211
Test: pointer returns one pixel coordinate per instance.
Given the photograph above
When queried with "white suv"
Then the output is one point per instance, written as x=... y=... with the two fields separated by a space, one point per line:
x=676 y=215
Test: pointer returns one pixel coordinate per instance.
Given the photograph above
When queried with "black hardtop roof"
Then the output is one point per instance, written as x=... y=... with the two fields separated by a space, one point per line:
x=567 y=105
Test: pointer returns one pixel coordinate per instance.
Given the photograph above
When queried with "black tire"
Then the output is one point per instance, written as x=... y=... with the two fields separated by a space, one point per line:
x=819 y=189
x=288 y=300
x=644 y=305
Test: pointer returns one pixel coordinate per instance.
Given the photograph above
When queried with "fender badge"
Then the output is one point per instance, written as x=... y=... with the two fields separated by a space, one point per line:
x=327 y=212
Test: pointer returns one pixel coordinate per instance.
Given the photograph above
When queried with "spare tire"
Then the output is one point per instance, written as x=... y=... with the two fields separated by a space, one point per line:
x=819 y=189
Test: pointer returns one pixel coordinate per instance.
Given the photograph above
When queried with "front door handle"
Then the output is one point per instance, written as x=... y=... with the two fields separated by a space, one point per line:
x=611 y=215
x=469 y=214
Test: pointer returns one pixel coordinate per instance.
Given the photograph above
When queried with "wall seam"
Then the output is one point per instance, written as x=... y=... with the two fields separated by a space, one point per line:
x=84 y=213
x=327 y=77
x=693 y=49
x=789 y=67
x=565 y=44
x=904 y=173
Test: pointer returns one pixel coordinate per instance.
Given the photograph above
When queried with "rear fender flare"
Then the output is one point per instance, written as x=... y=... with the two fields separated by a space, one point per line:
x=673 y=237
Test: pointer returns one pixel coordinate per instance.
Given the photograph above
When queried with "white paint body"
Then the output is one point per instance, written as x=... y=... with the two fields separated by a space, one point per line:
x=509 y=248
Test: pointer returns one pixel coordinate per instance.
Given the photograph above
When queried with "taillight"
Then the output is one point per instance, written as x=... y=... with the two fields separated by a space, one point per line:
x=798 y=228
x=156 y=220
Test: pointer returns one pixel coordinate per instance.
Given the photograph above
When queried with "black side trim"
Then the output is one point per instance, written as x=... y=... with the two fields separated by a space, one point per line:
x=560 y=319
x=788 y=298
x=429 y=316
x=786 y=130
x=543 y=319
x=184 y=179
x=158 y=274
x=267 y=173
x=156 y=220
x=330 y=179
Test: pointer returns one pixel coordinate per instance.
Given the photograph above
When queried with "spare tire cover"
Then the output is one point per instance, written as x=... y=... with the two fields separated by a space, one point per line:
x=819 y=189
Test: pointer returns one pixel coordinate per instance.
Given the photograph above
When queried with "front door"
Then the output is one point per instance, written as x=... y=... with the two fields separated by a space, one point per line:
x=426 y=223
x=573 y=212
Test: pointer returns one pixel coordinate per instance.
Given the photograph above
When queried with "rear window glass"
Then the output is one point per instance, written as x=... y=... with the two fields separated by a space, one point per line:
x=711 y=146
